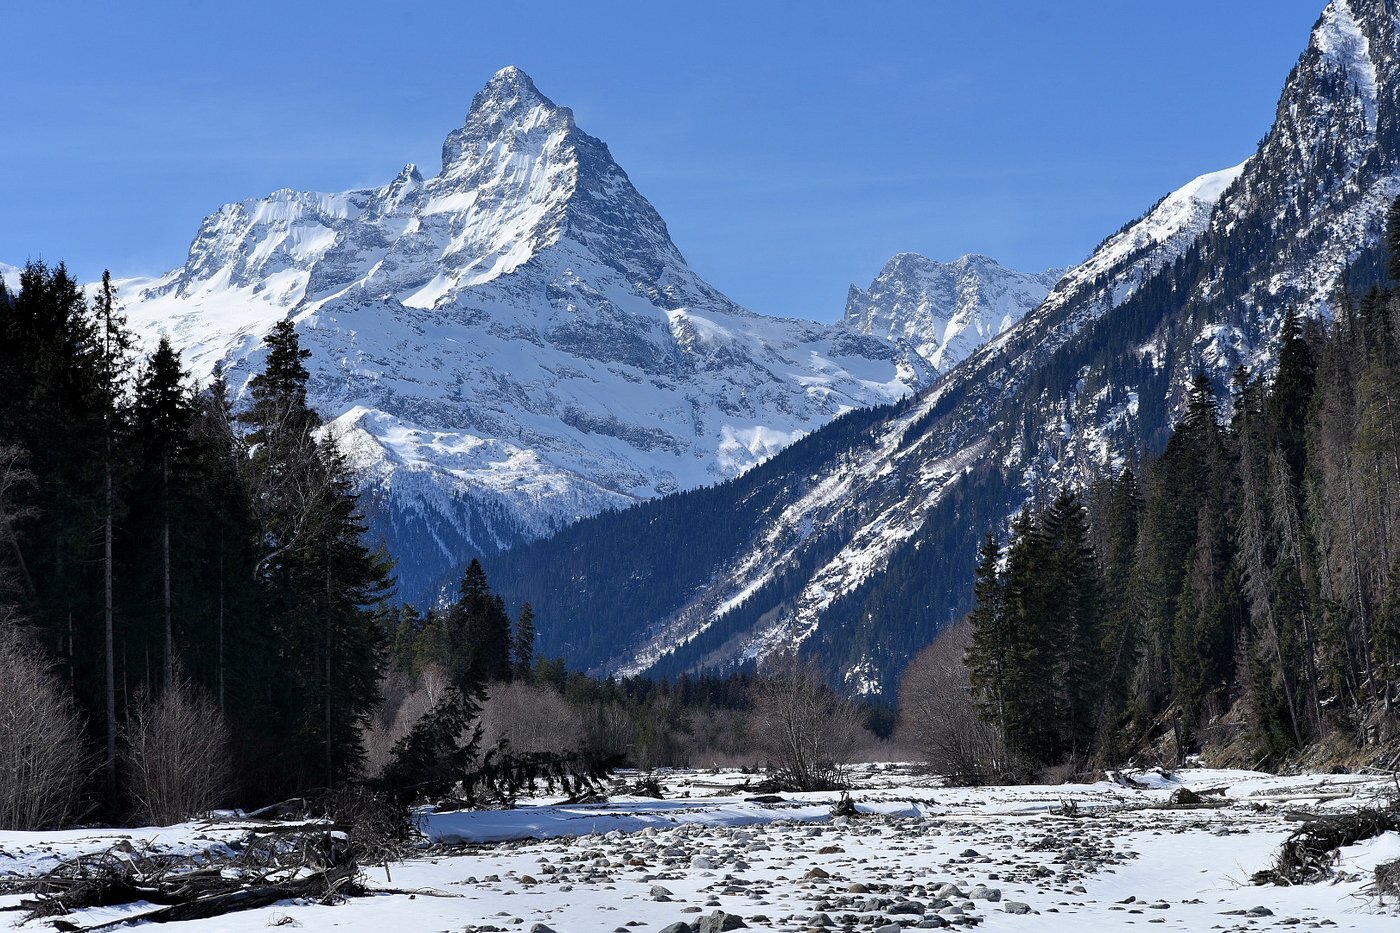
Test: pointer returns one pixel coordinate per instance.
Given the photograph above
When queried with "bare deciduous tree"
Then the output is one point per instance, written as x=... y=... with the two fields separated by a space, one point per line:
x=531 y=719
x=176 y=755
x=405 y=702
x=804 y=727
x=43 y=763
x=939 y=719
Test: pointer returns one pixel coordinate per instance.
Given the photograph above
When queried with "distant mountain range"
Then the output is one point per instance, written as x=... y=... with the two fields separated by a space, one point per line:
x=857 y=543
x=516 y=343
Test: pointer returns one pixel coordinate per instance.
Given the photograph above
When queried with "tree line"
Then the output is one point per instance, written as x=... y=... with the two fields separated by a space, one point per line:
x=1239 y=594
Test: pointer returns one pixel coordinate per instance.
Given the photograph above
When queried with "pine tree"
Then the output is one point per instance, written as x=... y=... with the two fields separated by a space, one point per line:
x=322 y=589
x=1122 y=644
x=479 y=632
x=991 y=636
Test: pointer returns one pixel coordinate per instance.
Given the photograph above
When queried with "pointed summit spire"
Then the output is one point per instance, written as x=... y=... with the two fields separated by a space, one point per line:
x=509 y=101
x=514 y=78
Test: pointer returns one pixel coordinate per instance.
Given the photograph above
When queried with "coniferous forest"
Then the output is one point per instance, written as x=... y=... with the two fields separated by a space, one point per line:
x=190 y=614
x=155 y=541
x=1239 y=594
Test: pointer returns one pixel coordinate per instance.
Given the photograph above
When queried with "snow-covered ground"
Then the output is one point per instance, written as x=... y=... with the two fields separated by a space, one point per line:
x=1082 y=857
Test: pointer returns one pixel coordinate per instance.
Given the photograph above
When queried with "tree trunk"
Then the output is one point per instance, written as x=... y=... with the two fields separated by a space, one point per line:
x=111 y=760
x=165 y=549
x=222 y=710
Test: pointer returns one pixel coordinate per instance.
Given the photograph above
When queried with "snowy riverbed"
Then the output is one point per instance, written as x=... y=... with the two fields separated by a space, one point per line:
x=918 y=855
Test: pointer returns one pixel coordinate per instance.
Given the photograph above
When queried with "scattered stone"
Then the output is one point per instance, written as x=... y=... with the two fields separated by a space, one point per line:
x=1016 y=907
x=719 y=922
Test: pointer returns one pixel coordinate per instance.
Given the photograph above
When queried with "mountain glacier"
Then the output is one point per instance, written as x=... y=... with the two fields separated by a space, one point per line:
x=511 y=344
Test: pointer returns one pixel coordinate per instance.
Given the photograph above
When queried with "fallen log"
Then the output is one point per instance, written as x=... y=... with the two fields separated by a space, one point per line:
x=325 y=888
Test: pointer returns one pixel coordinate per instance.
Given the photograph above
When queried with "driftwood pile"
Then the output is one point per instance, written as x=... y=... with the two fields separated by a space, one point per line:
x=1388 y=880
x=1310 y=853
x=312 y=862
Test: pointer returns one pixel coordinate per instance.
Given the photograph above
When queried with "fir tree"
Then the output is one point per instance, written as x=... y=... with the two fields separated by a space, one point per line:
x=479 y=632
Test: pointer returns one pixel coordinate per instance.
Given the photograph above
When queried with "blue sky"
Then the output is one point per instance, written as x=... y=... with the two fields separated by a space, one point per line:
x=792 y=147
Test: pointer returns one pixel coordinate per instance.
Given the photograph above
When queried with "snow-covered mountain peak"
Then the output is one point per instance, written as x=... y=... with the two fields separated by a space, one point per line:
x=944 y=310
x=513 y=343
x=509 y=112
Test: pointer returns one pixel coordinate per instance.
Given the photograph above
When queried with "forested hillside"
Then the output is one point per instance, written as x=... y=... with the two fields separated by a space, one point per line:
x=1239 y=593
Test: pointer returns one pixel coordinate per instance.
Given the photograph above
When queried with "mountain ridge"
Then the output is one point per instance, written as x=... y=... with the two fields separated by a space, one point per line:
x=862 y=553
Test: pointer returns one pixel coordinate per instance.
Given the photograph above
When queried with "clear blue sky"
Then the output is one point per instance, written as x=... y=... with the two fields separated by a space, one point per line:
x=792 y=147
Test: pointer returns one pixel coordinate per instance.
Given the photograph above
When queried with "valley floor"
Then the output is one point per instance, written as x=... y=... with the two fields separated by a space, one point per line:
x=1088 y=857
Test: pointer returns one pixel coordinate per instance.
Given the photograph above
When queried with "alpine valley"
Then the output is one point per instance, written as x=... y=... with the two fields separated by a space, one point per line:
x=516 y=343
x=524 y=368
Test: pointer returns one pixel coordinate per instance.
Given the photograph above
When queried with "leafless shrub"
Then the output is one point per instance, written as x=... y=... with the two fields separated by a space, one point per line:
x=530 y=719
x=43 y=764
x=176 y=755
x=805 y=728
x=939 y=720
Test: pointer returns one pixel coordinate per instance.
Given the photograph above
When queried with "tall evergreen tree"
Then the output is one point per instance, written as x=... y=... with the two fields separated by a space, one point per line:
x=114 y=364
x=322 y=589
x=479 y=630
x=1075 y=617
x=163 y=420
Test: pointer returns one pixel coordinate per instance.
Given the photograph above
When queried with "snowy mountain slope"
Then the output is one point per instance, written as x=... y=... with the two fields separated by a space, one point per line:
x=859 y=542
x=510 y=344
x=10 y=275
x=877 y=488
x=945 y=310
